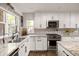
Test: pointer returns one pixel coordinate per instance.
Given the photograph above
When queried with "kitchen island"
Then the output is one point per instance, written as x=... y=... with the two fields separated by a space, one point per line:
x=68 y=48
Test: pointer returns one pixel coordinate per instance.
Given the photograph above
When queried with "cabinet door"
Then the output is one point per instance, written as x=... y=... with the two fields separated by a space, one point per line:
x=37 y=21
x=61 y=20
x=52 y=16
x=43 y=21
x=73 y=20
x=44 y=43
x=39 y=43
x=32 y=43
x=77 y=19
x=67 y=20
x=27 y=45
x=22 y=50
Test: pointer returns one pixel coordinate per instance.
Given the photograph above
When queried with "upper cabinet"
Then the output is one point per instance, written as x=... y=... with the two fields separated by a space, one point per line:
x=66 y=19
x=73 y=20
x=61 y=20
x=77 y=20
x=37 y=20
x=43 y=21
x=40 y=21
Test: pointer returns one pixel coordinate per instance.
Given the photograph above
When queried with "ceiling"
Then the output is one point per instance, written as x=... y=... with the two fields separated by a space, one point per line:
x=45 y=7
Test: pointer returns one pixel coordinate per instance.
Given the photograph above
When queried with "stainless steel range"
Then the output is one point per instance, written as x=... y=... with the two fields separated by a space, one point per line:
x=52 y=39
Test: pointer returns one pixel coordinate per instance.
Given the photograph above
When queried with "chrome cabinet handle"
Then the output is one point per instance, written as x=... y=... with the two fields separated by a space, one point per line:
x=38 y=40
x=25 y=49
x=22 y=46
x=40 y=25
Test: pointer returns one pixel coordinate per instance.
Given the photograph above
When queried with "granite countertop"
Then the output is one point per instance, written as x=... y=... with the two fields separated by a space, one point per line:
x=72 y=47
x=7 y=49
x=37 y=35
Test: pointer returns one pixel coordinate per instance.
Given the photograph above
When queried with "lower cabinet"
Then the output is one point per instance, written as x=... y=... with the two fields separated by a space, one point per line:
x=24 y=47
x=22 y=50
x=38 y=43
x=44 y=43
x=63 y=52
x=32 y=43
x=27 y=46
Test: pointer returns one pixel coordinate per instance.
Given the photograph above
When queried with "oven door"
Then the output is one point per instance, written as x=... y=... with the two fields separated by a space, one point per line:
x=52 y=45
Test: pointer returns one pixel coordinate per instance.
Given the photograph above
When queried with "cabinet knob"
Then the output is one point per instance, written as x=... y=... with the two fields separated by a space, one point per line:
x=25 y=49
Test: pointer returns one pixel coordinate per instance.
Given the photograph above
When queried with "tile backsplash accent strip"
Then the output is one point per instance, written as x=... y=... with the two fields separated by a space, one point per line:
x=60 y=31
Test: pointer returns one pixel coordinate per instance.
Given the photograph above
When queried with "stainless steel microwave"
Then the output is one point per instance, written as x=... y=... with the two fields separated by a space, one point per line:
x=53 y=24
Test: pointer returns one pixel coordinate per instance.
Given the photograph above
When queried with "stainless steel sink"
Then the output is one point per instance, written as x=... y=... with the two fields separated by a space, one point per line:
x=17 y=41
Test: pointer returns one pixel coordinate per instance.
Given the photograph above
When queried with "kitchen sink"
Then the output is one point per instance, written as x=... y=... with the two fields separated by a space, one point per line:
x=17 y=41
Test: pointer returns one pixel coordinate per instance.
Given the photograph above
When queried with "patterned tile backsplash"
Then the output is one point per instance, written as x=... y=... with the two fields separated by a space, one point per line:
x=61 y=32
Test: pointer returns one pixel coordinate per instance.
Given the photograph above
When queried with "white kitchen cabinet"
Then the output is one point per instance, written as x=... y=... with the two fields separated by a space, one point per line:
x=32 y=43
x=67 y=20
x=22 y=49
x=77 y=19
x=39 y=43
x=43 y=21
x=37 y=23
x=40 y=21
x=44 y=43
x=61 y=20
x=52 y=16
x=27 y=45
x=73 y=20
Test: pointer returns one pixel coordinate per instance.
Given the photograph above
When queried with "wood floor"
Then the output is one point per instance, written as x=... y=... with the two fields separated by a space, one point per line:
x=43 y=53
